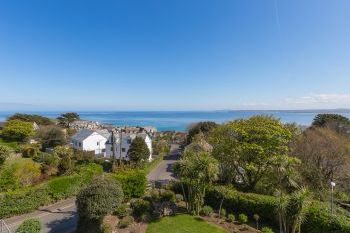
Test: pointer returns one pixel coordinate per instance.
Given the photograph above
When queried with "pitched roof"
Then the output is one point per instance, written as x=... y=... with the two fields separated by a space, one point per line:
x=104 y=132
x=82 y=134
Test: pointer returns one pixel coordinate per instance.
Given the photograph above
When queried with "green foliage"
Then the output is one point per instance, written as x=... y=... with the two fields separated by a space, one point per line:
x=138 y=151
x=122 y=210
x=125 y=222
x=322 y=120
x=318 y=217
x=161 y=145
x=197 y=171
x=204 y=127
x=179 y=197
x=64 y=186
x=13 y=145
x=67 y=118
x=266 y=230
x=231 y=218
x=16 y=130
x=29 y=226
x=66 y=164
x=133 y=182
x=29 y=199
x=248 y=149
x=19 y=173
x=242 y=218
x=4 y=154
x=30 y=150
x=206 y=211
x=98 y=199
x=51 y=136
x=140 y=207
x=223 y=213
x=40 y=120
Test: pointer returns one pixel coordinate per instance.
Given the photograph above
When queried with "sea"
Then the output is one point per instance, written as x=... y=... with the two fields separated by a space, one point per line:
x=181 y=120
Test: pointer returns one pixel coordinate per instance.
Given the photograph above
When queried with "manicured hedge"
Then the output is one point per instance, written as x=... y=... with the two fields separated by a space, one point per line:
x=29 y=199
x=319 y=219
x=133 y=182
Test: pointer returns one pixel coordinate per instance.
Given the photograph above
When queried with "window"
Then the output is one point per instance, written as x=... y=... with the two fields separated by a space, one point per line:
x=123 y=149
x=129 y=141
x=79 y=144
x=98 y=143
x=103 y=150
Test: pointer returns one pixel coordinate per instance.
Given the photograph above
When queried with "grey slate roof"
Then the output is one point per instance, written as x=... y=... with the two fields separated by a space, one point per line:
x=82 y=134
x=104 y=133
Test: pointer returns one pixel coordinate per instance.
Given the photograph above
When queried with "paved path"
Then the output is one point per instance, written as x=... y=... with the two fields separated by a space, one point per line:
x=60 y=217
x=163 y=172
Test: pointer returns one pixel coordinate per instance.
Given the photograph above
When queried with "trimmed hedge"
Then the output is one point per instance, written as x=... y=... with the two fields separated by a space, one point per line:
x=319 y=219
x=133 y=183
x=29 y=199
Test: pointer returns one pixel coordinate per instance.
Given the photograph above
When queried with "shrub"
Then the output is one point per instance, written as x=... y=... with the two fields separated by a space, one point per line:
x=140 y=207
x=206 y=211
x=266 y=230
x=125 y=222
x=4 y=154
x=223 y=213
x=231 y=218
x=242 y=218
x=64 y=186
x=179 y=197
x=133 y=182
x=29 y=226
x=122 y=211
x=16 y=130
x=167 y=195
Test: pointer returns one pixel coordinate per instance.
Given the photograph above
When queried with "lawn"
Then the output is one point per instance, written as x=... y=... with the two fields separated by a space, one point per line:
x=183 y=224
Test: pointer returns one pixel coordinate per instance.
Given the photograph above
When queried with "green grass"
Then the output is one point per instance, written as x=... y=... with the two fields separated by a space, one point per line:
x=183 y=224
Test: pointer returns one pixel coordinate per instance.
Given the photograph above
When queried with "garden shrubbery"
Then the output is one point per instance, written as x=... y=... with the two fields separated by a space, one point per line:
x=28 y=199
x=133 y=182
x=29 y=226
x=319 y=219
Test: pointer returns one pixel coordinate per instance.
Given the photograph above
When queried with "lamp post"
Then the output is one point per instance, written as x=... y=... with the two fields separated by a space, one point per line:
x=332 y=191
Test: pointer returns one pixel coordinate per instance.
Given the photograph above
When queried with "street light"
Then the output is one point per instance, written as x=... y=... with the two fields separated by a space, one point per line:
x=332 y=186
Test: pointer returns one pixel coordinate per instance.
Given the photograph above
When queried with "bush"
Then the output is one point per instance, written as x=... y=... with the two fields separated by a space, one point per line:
x=140 y=207
x=29 y=226
x=125 y=222
x=223 y=213
x=179 y=197
x=242 y=218
x=133 y=182
x=266 y=230
x=64 y=186
x=231 y=218
x=16 y=130
x=122 y=211
x=206 y=211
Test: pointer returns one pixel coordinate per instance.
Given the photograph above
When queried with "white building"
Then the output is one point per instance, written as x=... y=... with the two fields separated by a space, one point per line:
x=122 y=145
x=91 y=140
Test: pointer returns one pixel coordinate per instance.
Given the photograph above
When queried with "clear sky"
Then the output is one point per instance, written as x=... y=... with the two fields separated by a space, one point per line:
x=174 y=54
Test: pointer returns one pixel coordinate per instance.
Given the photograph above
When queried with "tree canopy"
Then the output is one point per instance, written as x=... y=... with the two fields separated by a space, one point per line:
x=204 y=127
x=247 y=149
x=138 y=151
x=40 y=120
x=51 y=136
x=66 y=119
x=16 y=130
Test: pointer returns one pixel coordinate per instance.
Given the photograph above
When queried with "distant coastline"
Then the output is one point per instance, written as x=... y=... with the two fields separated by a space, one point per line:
x=180 y=120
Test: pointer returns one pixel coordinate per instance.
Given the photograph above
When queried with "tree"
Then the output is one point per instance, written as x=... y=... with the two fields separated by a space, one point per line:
x=325 y=157
x=67 y=118
x=138 y=151
x=18 y=130
x=335 y=122
x=65 y=154
x=292 y=210
x=4 y=154
x=199 y=144
x=247 y=149
x=204 y=127
x=197 y=171
x=40 y=120
x=97 y=200
x=51 y=136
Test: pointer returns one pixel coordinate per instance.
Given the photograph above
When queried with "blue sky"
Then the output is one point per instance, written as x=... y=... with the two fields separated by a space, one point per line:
x=174 y=55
